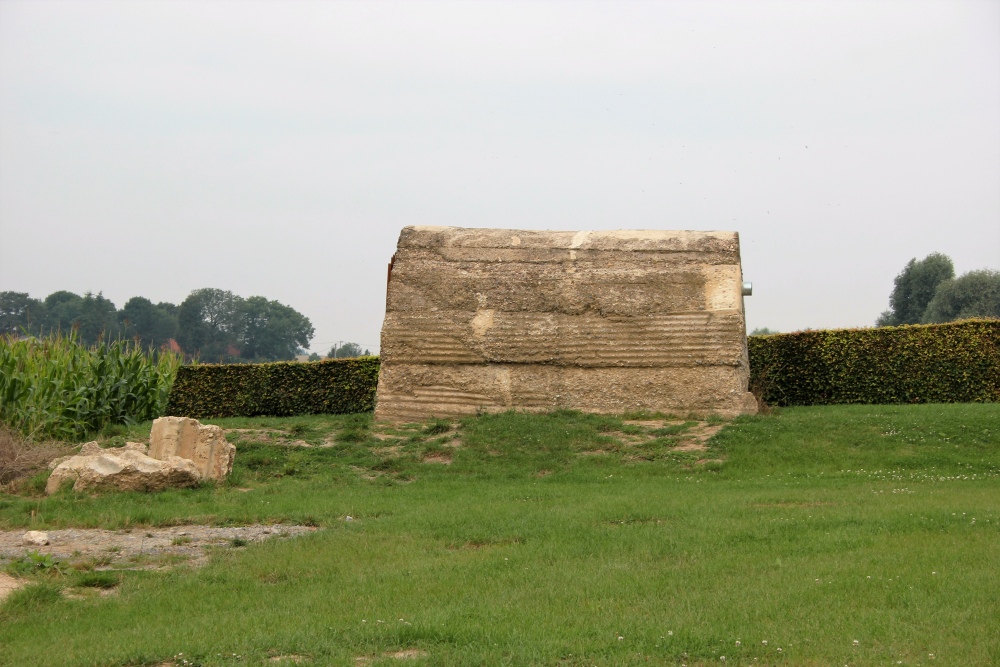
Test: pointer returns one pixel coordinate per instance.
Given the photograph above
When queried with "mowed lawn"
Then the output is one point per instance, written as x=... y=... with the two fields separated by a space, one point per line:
x=844 y=535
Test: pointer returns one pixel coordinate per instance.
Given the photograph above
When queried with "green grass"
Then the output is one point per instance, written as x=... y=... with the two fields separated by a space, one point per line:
x=554 y=540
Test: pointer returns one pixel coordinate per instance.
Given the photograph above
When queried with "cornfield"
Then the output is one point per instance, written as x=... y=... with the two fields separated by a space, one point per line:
x=54 y=387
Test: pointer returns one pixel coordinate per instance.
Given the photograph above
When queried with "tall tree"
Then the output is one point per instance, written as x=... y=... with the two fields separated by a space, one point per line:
x=19 y=313
x=64 y=310
x=974 y=294
x=98 y=319
x=272 y=331
x=914 y=288
x=153 y=325
x=209 y=322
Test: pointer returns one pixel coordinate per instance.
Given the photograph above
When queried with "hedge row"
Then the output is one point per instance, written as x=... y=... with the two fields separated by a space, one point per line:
x=335 y=386
x=957 y=362
x=937 y=363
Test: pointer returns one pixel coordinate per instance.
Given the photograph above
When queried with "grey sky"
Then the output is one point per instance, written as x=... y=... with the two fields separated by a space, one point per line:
x=277 y=148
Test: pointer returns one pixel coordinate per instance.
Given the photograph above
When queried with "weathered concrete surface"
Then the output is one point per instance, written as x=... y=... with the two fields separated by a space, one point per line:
x=493 y=319
x=188 y=438
x=125 y=468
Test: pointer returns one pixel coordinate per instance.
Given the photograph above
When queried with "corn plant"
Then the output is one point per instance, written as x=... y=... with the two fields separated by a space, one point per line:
x=57 y=388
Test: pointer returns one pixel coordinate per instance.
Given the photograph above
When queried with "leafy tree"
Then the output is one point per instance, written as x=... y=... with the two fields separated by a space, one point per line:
x=63 y=310
x=217 y=325
x=271 y=331
x=974 y=294
x=314 y=357
x=914 y=288
x=20 y=313
x=208 y=324
x=98 y=319
x=345 y=351
x=92 y=315
x=153 y=325
x=763 y=331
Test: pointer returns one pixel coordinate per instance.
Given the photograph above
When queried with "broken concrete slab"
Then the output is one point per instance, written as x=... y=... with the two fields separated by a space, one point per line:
x=125 y=468
x=188 y=438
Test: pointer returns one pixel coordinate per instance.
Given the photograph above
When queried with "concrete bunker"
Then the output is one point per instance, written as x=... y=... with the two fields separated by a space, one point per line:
x=601 y=321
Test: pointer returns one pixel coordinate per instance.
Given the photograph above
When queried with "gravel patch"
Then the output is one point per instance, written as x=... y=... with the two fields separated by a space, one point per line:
x=143 y=548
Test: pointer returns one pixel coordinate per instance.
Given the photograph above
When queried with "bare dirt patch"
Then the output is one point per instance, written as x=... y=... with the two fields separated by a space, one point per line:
x=653 y=423
x=8 y=585
x=406 y=654
x=293 y=658
x=693 y=438
x=701 y=433
x=143 y=548
x=630 y=439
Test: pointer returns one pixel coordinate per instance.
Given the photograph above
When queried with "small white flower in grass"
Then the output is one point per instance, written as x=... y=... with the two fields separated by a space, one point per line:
x=670 y=633
x=722 y=658
x=764 y=642
x=930 y=655
x=779 y=649
x=738 y=643
x=620 y=638
x=856 y=642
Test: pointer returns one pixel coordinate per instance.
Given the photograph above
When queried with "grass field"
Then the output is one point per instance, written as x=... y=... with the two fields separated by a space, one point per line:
x=846 y=535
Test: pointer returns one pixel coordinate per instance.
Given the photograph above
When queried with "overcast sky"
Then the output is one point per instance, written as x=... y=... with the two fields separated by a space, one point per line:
x=277 y=148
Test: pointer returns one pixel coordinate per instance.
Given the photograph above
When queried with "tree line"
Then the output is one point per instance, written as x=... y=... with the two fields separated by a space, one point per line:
x=212 y=325
x=927 y=292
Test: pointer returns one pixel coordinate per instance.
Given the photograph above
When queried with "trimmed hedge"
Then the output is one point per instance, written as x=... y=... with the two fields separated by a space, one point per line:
x=958 y=362
x=335 y=386
x=938 y=363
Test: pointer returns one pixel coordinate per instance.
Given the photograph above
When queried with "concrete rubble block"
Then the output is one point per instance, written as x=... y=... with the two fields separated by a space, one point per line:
x=35 y=538
x=608 y=322
x=187 y=438
x=125 y=468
